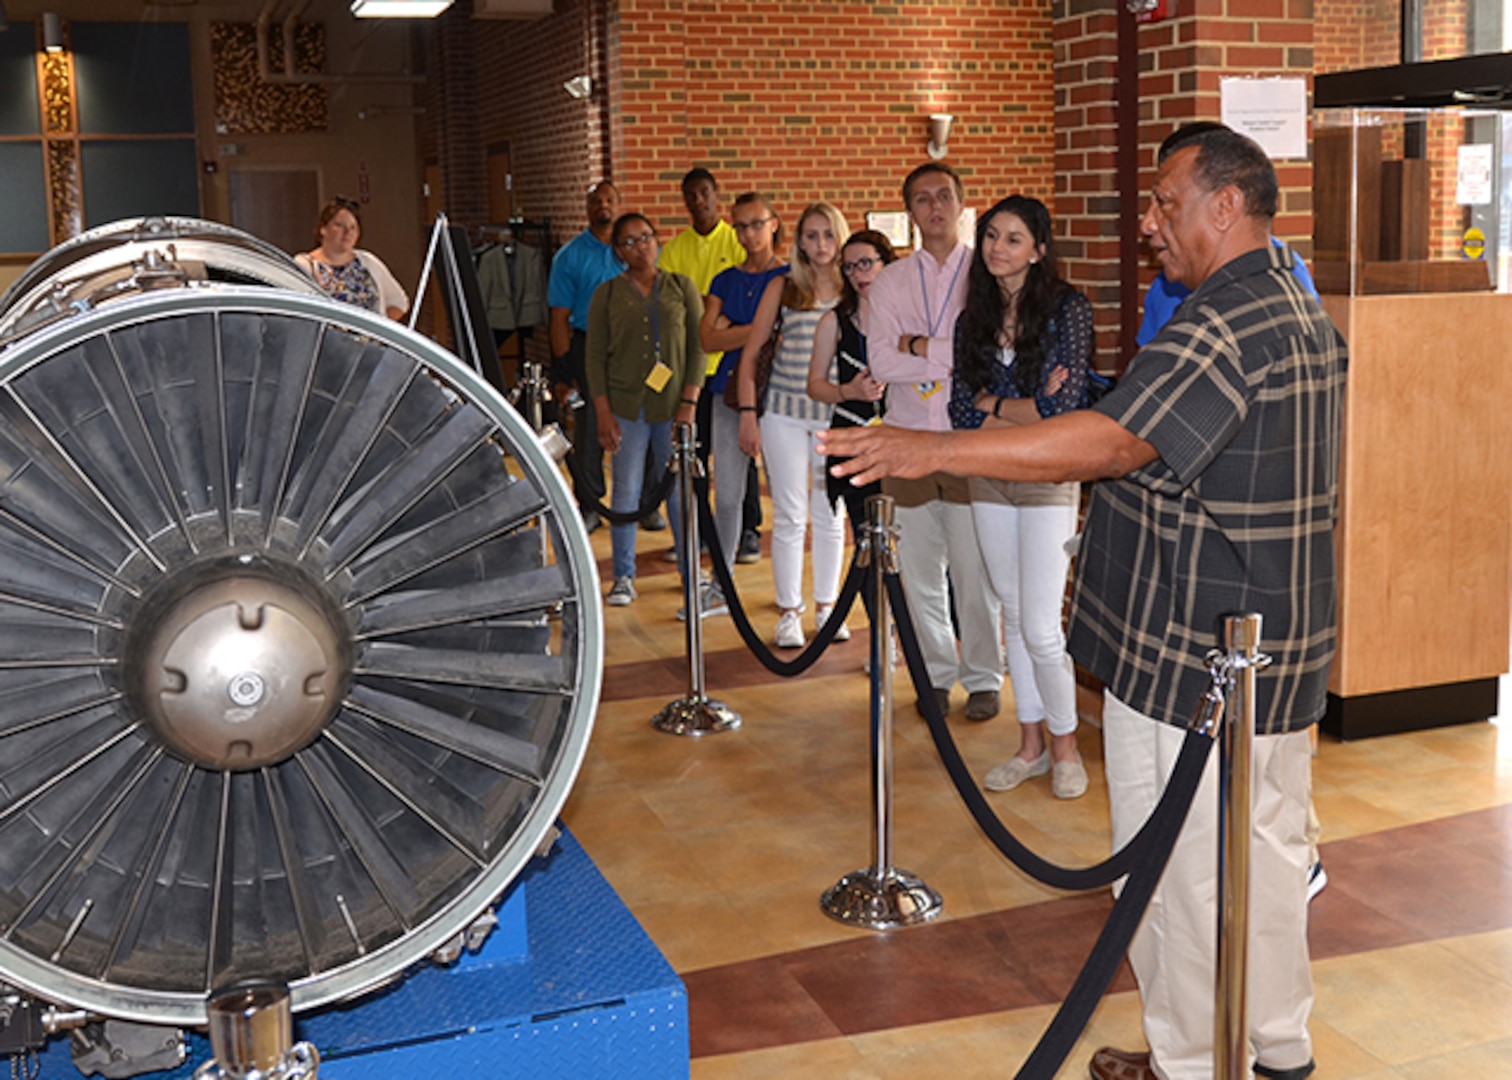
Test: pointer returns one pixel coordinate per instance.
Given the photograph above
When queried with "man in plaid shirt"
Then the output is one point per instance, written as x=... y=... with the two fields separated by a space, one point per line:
x=1218 y=451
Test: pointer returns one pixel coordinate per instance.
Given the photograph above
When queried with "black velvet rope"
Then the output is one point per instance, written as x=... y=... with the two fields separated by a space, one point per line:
x=649 y=500
x=769 y=660
x=1074 y=879
x=1143 y=858
x=1102 y=964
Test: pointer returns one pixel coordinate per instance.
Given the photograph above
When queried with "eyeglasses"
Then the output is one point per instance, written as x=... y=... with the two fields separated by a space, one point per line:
x=751 y=226
x=924 y=199
x=346 y=203
x=630 y=243
x=863 y=264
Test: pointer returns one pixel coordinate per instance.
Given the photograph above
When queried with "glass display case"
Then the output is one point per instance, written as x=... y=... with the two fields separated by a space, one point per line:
x=1412 y=200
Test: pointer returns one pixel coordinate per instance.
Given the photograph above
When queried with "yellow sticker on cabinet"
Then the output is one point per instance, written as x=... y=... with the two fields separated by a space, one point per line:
x=1474 y=243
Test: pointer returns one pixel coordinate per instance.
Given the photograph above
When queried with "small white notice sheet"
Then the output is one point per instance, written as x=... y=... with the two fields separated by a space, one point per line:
x=1273 y=112
x=1472 y=185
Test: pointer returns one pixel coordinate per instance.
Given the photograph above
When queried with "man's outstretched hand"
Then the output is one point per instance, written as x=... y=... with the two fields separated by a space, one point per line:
x=875 y=452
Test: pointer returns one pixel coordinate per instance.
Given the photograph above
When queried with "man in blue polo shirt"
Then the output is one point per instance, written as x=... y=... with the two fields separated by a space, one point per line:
x=580 y=266
x=1165 y=296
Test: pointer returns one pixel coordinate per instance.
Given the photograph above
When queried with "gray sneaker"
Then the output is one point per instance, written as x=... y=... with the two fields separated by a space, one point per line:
x=710 y=602
x=621 y=593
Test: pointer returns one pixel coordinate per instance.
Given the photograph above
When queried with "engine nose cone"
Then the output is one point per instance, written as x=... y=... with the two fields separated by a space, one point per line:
x=241 y=673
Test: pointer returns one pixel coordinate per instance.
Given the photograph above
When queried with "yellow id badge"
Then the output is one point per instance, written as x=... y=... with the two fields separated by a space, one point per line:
x=658 y=377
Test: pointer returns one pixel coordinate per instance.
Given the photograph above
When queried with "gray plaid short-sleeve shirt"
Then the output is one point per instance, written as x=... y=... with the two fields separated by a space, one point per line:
x=1242 y=395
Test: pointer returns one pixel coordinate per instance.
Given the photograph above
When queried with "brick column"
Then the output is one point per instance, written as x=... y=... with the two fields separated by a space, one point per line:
x=1087 y=199
x=1181 y=60
x=459 y=147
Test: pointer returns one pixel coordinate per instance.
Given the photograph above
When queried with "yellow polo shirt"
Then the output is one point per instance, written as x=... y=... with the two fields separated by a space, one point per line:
x=700 y=258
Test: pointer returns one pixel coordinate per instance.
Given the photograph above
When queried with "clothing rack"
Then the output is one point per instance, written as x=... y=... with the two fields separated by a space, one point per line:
x=515 y=231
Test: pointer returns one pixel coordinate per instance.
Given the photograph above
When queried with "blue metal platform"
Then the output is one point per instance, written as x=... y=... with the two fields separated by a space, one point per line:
x=592 y=998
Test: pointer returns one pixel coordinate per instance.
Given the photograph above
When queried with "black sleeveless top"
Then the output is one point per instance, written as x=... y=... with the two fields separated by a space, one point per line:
x=850 y=361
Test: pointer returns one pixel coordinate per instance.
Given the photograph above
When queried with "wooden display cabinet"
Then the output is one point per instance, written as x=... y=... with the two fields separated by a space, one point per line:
x=1424 y=543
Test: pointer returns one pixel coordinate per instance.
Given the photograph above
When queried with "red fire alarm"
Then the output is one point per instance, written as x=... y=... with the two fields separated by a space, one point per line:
x=1149 y=11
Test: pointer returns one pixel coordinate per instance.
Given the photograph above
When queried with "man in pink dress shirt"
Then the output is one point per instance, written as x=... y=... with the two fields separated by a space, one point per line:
x=910 y=344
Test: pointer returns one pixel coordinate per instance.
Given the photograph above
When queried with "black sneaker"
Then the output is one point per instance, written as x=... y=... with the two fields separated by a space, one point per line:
x=655 y=521
x=750 y=547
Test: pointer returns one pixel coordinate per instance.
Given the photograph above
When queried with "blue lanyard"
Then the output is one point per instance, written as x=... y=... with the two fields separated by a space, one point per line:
x=934 y=318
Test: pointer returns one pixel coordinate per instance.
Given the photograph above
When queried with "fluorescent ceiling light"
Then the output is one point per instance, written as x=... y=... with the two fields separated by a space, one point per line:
x=399 y=9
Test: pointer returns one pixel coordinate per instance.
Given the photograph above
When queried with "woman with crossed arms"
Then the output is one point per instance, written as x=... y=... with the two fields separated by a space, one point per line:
x=1023 y=345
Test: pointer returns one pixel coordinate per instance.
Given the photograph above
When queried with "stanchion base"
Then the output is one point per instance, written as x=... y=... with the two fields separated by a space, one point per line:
x=696 y=716
x=885 y=901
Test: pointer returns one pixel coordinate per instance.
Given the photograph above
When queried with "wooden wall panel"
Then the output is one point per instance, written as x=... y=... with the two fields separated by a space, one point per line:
x=1426 y=500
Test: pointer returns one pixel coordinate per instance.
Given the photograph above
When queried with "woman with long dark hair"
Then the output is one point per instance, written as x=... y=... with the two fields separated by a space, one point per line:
x=1023 y=347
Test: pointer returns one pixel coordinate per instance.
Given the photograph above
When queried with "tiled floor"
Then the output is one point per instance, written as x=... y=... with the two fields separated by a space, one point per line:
x=722 y=846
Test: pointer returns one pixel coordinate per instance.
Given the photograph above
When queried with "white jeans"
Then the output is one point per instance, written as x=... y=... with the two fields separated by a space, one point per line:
x=936 y=534
x=1173 y=951
x=1024 y=550
x=731 y=467
x=795 y=477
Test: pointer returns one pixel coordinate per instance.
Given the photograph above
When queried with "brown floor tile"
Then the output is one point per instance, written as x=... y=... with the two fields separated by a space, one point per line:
x=1438 y=879
x=730 y=1008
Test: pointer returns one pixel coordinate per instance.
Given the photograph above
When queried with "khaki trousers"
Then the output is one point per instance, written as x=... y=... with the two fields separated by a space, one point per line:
x=1174 y=951
x=937 y=556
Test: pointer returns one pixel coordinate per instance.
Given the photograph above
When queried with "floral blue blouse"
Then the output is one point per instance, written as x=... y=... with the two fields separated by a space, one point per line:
x=1070 y=347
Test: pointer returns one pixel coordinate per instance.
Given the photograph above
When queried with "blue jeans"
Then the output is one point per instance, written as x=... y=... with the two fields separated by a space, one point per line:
x=636 y=437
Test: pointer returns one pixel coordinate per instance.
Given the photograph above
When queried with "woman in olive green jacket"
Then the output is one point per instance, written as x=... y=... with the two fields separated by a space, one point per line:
x=645 y=370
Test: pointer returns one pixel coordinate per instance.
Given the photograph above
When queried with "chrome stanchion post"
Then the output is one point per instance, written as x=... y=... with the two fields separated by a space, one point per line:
x=1241 y=659
x=881 y=897
x=529 y=397
x=697 y=713
x=533 y=391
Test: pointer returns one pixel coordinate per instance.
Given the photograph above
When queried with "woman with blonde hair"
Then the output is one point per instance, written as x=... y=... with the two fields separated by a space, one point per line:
x=780 y=421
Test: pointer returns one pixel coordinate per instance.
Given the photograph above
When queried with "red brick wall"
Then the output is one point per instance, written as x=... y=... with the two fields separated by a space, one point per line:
x=829 y=101
x=1446 y=33
x=1185 y=58
x=513 y=95
x=1352 y=34
x=766 y=93
x=1086 y=181
x=450 y=122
